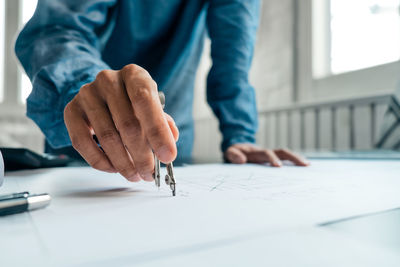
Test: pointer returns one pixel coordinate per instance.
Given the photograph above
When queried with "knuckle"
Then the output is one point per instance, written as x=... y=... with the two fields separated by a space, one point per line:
x=109 y=83
x=85 y=88
x=129 y=126
x=70 y=107
x=108 y=136
x=85 y=92
x=106 y=76
x=142 y=95
x=134 y=74
x=132 y=137
x=154 y=131
x=132 y=68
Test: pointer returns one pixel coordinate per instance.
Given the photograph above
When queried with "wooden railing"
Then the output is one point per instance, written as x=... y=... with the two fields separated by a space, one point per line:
x=332 y=107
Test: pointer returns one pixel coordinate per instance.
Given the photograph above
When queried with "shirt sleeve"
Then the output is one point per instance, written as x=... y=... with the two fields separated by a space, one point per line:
x=232 y=26
x=60 y=50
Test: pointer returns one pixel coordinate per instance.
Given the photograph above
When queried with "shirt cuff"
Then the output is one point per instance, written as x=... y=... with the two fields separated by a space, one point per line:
x=237 y=137
x=49 y=114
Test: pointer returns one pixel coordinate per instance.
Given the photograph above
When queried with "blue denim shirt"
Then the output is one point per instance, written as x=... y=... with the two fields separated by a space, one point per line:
x=67 y=42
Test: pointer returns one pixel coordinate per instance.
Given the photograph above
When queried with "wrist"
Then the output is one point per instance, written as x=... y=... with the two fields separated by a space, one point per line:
x=238 y=137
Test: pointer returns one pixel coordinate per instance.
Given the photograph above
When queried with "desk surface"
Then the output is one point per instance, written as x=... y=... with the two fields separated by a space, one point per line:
x=223 y=215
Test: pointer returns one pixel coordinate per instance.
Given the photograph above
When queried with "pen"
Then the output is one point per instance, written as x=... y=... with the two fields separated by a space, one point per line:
x=21 y=202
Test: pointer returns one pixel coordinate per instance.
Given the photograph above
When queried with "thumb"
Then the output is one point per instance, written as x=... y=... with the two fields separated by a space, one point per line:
x=235 y=155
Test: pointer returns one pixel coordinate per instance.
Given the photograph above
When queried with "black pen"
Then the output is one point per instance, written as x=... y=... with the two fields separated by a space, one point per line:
x=21 y=202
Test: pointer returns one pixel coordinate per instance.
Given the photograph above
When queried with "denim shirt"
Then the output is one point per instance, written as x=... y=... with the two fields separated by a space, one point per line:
x=67 y=42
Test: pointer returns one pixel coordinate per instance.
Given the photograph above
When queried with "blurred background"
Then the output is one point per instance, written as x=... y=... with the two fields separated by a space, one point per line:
x=326 y=74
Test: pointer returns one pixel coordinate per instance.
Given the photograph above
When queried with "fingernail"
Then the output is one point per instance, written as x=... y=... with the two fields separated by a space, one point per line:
x=277 y=163
x=164 y=154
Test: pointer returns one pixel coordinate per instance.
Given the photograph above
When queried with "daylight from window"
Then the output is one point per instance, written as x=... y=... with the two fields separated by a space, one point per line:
x=364 y=33
x=28 y=8
x=1 y=50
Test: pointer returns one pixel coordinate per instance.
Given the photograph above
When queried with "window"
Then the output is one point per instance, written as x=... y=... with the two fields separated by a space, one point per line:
x=346 y=49
x=354 y=35
x=364 y=33
x=27 y=9
x=2 y=7
x=14 y=84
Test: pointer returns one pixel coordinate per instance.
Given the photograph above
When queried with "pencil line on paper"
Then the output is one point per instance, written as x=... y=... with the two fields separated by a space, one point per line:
x=215 y=186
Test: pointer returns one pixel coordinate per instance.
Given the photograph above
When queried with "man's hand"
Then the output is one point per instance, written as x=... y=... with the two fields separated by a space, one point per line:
x=123 y=110
x=248 y=153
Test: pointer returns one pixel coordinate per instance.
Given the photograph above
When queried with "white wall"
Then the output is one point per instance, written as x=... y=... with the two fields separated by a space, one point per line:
x=19 y=131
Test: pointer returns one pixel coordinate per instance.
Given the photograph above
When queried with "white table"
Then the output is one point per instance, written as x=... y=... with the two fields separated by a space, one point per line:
x=223 y=215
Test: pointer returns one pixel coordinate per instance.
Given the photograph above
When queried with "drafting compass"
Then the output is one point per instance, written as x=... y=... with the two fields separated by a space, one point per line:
x=169 y=177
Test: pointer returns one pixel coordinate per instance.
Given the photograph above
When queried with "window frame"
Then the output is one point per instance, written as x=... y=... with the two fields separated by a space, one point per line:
x=2 y=42
x=369 y=81
x=11 y=106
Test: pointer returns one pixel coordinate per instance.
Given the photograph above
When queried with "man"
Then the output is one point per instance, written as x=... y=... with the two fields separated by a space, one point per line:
x=96 y=67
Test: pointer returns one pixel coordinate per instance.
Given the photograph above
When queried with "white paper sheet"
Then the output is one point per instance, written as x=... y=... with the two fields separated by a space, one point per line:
x=96 y=216
x=1 y=169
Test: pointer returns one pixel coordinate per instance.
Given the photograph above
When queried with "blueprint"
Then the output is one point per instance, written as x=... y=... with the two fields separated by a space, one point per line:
x=100 y=217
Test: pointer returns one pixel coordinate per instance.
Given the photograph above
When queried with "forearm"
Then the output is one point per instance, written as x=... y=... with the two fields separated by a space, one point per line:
x=232 y=27
x=59 y=53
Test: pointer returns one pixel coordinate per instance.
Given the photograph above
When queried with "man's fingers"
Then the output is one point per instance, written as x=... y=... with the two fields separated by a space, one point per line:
x=246 y=148
x=82 y=140
x=130 y=130
x=123 y=110
x=287 y=155
x=235 y=155
x=142 y=91
x=172 y=126
x=254 y=154
x=242 y=153
x=100 y=119
x=264 y=155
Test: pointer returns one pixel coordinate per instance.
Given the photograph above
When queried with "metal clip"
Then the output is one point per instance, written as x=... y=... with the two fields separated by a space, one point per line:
x=157 y=173
x=170 y=179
